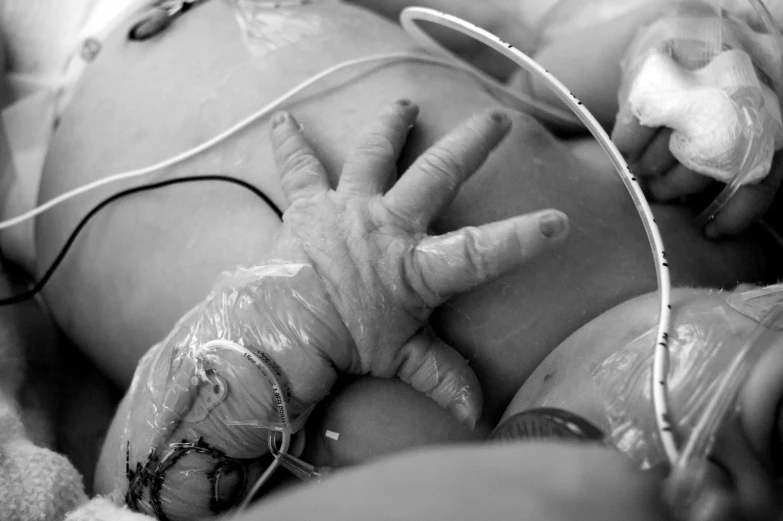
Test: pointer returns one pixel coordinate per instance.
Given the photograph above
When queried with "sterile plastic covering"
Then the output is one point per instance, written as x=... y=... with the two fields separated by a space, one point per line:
x=698 y=349
x=704 y=348
x=240 y=366
x=267 y=25
x=711 y=356
x=698 y=54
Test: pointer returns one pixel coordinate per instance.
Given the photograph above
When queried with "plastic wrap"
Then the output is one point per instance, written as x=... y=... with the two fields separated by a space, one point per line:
x=712 y=355
x=703 y=348
x=686 y=484
x=269 y=25
x=715 y=81
x=242 y=365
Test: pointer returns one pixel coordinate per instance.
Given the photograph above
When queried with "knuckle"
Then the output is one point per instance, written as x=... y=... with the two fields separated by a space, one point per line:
x=378 y=145
x=285 y=141
x=473 y=253
x=443 y=165
x=298 y=161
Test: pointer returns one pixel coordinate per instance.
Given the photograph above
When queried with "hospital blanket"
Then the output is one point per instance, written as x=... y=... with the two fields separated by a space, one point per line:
x=41 y=397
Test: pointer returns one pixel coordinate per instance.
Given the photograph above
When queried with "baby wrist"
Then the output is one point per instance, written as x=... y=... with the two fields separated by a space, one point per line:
x=250 y=360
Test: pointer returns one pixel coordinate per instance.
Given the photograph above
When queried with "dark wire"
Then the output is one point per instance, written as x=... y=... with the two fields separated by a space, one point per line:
x=38 y=286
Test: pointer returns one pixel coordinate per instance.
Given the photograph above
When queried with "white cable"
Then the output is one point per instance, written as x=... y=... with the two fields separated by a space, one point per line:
x=661 y=360
x=277 y=389
x=523 y=103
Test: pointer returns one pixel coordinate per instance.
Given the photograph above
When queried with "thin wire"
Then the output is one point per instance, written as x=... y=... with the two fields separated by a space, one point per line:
x=277 y=389
x=39 y=285
x=661 y=359
x=206 y=145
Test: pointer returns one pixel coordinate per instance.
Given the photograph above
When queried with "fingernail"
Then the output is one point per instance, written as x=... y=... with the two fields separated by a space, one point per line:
x=463 y=417
x=552 y=225
x=404 y=103
x=279 y=119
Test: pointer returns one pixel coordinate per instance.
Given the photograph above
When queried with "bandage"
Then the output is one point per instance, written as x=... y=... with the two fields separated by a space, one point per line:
x=244 y=366
x=270 y=25
x=715 y=82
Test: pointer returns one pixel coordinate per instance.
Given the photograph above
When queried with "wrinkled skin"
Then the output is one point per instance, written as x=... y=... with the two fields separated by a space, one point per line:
x=365 y=254
x=584 y=44
x=373 y=258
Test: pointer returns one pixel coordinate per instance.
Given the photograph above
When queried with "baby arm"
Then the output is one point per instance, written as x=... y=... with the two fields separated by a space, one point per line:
x=699 y=102
x=677 y=149
x=352 y=279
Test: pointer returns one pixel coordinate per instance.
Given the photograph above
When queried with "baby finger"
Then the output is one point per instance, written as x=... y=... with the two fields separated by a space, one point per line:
x=437 y=370
x=432 y=181
x=656 y=159
x=301 y=173
x=370 y=166
x=458 y=261
x=629 y=136
x=677 y=182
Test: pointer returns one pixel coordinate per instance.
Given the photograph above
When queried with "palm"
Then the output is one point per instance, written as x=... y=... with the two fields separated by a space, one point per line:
x=367 y=242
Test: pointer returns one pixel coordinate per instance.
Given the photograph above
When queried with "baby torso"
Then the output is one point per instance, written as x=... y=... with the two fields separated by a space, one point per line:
x=145 y=260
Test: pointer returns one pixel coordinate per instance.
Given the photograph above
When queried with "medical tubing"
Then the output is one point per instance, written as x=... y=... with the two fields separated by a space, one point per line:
x=40 y=283
x=283 y=410
x=688 y=472
x=407 y=19
x=661 y=360
x=262 y=321
x=264 y=111
x=731 y=189
x=755 y=138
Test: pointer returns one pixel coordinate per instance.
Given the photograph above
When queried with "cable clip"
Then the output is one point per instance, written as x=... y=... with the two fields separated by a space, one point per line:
x=159 y=19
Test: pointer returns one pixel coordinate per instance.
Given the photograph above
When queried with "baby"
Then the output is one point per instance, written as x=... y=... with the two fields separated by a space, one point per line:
x=130 y=278
x=352 y=281
x=700 y=90
x=192 y=435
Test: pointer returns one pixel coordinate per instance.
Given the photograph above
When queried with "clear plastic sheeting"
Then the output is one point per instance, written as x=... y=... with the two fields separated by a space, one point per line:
x=205 y=401
x=759 y=303
x=687 y=481
x=699 y=347
x=269 y=25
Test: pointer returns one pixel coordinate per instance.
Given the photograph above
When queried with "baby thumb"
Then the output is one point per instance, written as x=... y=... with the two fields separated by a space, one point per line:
x=437 y=370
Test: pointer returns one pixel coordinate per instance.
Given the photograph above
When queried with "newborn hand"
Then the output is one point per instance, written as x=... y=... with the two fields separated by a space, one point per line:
x=665 y=179
x=348 y=286
x=687 y=120
x=376 y=264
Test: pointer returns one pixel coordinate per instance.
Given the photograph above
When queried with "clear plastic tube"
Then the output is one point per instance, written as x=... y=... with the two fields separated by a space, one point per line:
x=688 y=473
